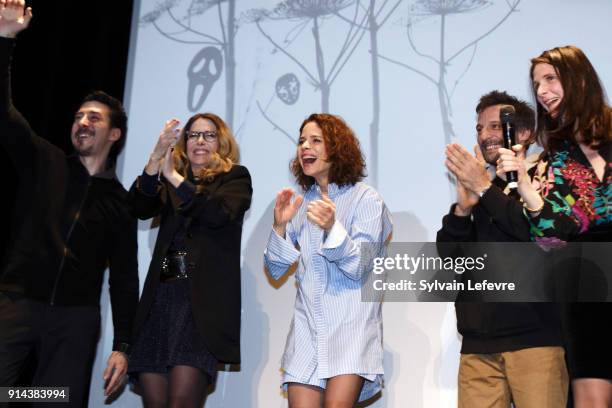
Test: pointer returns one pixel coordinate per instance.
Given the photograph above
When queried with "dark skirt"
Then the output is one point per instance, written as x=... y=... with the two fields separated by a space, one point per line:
x=588 y=344
x=169 y=337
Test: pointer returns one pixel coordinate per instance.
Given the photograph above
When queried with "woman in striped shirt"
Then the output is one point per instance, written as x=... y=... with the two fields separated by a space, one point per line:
x=333 y=354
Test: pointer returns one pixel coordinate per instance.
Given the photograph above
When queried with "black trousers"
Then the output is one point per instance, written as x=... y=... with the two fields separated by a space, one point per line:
x=62 y=340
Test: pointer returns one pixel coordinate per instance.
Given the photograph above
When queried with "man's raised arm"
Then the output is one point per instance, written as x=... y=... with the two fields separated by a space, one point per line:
x=15 y=134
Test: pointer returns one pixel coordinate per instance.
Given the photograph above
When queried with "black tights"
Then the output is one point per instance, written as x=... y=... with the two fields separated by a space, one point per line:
x=182 y=387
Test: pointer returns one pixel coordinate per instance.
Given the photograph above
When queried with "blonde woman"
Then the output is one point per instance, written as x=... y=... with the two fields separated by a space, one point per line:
x=188 y=318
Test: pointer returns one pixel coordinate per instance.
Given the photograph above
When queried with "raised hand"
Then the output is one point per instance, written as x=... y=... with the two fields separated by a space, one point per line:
x=168 y=170
x=469 y=169
x=285 y=209
x=479 y=156
x=168 y=137
x=14 y=17
x=466 y=200
x=322 y=212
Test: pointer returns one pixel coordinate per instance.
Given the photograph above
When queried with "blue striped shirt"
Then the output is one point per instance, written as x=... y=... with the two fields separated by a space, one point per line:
x=333 y=331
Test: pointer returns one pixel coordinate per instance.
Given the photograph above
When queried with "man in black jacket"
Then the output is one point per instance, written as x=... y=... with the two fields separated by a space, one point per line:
x=70 y=222
x=511 y=352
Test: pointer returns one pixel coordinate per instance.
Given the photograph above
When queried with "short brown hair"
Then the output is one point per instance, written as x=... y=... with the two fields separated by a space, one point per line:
x=343 y=152
x=221 y=162
x=583 y=108
x=524 y=117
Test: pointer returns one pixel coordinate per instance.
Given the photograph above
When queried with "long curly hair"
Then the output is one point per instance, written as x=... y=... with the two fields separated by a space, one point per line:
x=343 y=152
x=583 y=109
x=221 y=161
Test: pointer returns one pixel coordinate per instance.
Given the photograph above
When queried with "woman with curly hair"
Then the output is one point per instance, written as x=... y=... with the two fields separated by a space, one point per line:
x=201 y=196
x=333 y=355
x=570 y=198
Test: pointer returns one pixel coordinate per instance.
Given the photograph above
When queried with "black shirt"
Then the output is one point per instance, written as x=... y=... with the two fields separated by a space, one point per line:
x=498 y=327
x=67 y=226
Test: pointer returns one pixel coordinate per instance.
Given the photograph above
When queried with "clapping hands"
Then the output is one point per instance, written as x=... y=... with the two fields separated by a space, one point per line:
x=285 y=209
x=319 y=212
x=322 y=212
x=163 y=151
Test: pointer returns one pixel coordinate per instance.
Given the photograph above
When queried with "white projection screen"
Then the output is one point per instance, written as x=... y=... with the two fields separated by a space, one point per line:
x=406 y=75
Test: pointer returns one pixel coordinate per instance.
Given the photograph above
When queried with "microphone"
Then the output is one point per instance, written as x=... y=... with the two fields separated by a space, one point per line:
x=506 y=117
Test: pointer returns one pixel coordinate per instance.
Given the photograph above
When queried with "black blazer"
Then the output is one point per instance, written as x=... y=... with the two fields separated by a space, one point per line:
x=213 y=234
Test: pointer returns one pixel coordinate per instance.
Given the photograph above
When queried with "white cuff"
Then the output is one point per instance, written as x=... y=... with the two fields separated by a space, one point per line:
x=335 y=237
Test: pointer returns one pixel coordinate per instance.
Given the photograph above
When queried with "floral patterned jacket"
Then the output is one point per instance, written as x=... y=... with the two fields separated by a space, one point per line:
x=576 y=201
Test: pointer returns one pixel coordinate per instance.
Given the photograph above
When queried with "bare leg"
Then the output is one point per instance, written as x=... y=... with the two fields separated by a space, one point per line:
x=343 y=391
x=154 y=390
x=592 y=393
x=187 y=387
x=304 y=396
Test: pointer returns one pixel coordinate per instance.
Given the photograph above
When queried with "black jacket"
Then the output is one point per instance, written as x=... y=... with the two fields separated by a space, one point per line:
x=67 y=226
x=498 y=327
x=213 y=220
